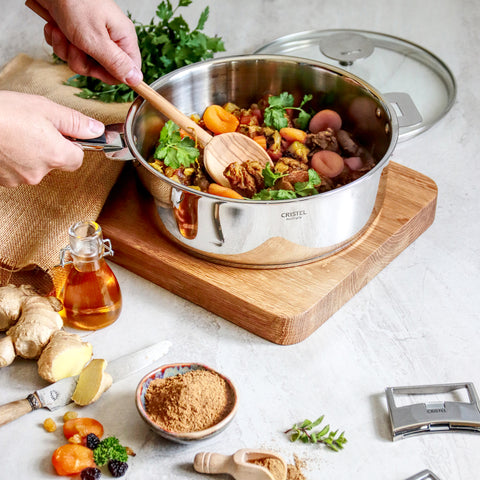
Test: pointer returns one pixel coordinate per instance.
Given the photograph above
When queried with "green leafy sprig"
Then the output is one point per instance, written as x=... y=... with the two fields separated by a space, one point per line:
x=304 y=433
x=166 y=43
x=109 y=449
x=301 y=189
x=275 y=113
x=174 y=150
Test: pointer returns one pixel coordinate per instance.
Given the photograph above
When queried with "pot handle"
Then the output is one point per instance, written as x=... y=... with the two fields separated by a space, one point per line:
x=406 y=111
x=112 y=143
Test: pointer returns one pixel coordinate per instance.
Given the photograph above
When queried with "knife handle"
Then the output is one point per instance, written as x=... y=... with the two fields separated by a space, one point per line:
x=16 y=409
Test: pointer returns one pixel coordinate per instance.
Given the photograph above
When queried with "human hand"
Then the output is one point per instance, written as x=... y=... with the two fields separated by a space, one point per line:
x=31 y=138
x=95 y=38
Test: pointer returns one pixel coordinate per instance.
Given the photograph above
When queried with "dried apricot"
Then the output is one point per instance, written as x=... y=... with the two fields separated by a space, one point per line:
x=71 y=459
x=218 y=120
x=82 y=426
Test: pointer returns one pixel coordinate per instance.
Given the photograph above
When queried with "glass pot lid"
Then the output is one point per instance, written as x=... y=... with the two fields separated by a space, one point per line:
x=418 y=85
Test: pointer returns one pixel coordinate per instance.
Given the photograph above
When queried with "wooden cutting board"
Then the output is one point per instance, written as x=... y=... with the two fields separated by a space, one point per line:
x=298 y=300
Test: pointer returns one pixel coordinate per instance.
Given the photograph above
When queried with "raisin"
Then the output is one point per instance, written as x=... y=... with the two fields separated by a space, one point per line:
x=92 y=441
x=69 y=415
x=90 y=473
x=117 y=468
x=49 y=425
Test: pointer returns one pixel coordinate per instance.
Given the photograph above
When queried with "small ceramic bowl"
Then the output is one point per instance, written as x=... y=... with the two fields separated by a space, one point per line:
x=170 y=371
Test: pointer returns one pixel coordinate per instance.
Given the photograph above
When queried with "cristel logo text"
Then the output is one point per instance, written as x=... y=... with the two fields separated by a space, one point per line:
x=293 y=215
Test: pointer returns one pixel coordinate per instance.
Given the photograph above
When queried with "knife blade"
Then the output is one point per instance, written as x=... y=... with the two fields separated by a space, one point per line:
x=60 y=393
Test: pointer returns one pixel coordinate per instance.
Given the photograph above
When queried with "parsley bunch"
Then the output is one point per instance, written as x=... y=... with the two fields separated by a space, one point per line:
x=275 y=113
x=109 y=449
x=166 y=43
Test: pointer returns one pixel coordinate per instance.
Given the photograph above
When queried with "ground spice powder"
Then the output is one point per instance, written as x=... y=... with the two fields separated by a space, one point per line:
x=275 y=467
x=189 y=402
x=294 y=472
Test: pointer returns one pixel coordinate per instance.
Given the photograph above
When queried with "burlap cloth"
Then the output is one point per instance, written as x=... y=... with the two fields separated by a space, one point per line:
x=34 y=220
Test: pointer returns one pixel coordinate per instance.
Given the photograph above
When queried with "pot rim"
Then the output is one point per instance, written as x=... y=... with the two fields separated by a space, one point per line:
x=139 y=101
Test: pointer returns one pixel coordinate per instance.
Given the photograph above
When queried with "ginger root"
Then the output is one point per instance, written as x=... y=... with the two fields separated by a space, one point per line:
x=11 y=298
x=64 y=356
x=92 y=382
x=7 y=351
x=37 y=323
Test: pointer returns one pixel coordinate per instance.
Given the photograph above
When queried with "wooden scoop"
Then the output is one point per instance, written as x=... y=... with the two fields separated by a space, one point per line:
x=239 y=465
x=219 y=150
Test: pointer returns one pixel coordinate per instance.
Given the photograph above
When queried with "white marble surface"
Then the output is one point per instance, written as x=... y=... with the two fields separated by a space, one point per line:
x=417 y=322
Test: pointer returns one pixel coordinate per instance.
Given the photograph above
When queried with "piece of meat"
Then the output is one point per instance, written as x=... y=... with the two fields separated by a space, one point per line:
x=245 y=178
x=324 y=140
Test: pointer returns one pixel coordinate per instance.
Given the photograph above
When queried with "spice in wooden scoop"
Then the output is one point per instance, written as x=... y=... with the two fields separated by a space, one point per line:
x=273 y=465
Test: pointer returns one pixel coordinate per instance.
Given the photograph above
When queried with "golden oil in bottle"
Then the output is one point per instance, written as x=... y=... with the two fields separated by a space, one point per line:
x=91 y=294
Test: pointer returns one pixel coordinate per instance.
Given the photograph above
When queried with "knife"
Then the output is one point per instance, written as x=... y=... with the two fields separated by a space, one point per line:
x=60 y=393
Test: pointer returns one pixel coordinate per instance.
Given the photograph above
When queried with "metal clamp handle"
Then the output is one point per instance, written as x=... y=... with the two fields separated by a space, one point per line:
x=107 y=250
x=433 y=417
x=424 y=475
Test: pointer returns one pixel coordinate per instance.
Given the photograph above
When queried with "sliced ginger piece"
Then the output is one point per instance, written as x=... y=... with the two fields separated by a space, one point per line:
x=93 y=381
x=64 y=356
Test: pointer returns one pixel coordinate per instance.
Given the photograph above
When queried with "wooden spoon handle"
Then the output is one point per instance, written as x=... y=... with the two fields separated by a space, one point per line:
x=171 y=112
x=206 y=462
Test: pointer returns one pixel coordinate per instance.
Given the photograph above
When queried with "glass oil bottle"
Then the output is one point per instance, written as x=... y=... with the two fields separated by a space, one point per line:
x=91 y=295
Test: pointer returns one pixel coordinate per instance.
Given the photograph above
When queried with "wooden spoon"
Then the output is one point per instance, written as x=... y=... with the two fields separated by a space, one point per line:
x=219 y=150
x=239 y=465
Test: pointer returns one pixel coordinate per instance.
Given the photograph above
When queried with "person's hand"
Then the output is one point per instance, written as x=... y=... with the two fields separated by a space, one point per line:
x=95 y=38
x=31 y=138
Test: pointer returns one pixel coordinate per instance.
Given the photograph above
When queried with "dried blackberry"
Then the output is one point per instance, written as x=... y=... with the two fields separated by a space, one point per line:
x=92 y=441
x=90 y=473
x=117 y=468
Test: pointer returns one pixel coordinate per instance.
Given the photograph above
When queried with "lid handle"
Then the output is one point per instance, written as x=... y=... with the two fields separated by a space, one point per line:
x=403 y=106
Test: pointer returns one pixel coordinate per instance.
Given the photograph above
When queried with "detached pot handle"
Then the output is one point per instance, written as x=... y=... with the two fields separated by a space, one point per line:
x=406 y=111
x=112 y=143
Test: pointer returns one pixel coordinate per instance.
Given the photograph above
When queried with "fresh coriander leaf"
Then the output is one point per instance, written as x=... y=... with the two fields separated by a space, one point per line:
x=267 y=194
x=284 y=100
x=302 y=120
x=305 y=189
x=275 y=113
x=306 y=98
x=269 y=176
x=174 y=150
x=275 y=117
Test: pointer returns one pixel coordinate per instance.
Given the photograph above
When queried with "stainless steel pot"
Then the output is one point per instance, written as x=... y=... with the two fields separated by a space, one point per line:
x=265 y=234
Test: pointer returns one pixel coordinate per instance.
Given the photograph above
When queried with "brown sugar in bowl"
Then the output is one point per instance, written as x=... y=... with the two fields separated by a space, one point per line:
x=186 y=402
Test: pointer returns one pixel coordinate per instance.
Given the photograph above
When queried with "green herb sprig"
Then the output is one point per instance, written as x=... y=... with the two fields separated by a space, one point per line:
x=301 y=189
x=109 y=449
x=166 y=43
x=275 y=113
x=174 y=150
x=304 y=432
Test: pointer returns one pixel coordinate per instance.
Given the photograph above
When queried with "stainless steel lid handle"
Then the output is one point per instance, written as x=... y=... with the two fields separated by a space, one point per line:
x=404 y=108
